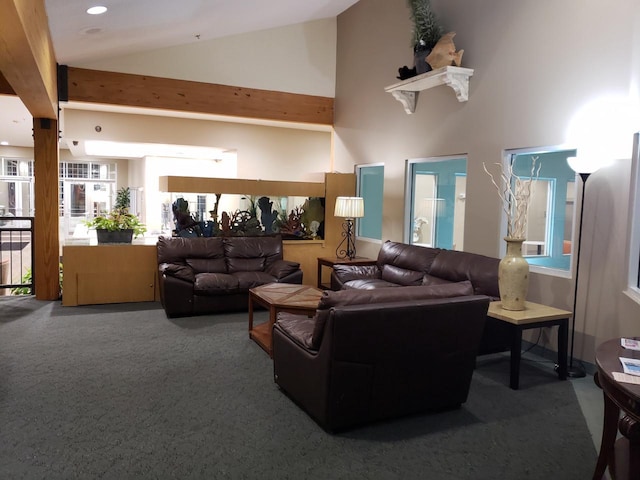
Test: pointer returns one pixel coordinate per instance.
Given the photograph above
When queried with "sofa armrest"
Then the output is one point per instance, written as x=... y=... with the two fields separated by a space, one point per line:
x=182 y=272
x=282 y=268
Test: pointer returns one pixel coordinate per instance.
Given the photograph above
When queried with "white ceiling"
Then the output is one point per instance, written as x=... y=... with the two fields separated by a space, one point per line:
x=136 y=25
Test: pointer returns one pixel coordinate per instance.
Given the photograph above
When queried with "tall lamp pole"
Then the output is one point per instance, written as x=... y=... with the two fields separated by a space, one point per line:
x=584 y=168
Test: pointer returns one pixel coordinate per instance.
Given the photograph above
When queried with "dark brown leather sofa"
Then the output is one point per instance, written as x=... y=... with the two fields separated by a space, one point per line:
x=210 y=274
x=369 y=356
x=401 y=265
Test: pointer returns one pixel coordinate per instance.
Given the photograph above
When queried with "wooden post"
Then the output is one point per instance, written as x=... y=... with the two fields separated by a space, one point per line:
x=47 y=245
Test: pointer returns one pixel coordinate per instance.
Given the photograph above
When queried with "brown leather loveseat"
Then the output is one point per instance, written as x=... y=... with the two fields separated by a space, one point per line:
x=210 y=274
x=402 y=265
x=368 y=356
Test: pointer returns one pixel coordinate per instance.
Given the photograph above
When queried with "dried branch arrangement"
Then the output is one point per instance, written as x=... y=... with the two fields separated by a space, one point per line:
x=515 y=194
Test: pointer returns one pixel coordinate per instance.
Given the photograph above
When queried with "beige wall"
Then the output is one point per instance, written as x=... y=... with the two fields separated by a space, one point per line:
x=541 y=69
x=297 y=59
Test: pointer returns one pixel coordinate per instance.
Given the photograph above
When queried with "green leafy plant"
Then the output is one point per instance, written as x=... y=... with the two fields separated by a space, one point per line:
x=119 y=218
x=28 y=278
x=426 y=27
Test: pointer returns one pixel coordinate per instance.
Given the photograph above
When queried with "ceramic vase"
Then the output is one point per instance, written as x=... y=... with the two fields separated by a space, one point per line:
x=513 y=276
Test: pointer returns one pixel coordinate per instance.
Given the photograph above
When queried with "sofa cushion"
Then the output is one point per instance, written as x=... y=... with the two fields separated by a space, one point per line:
x=298 y=327
x=347 y=273
x=245 y=264
x=215 y=284
x=247 y=280
x=431 y=280
x=267 y=248
x=456 y=266
x=331 y=299
x=183 y=272
x=411 y=257
x=207 y=265
x=368 y=284
x=178 y=249
x=401 y=276
x=282 y=268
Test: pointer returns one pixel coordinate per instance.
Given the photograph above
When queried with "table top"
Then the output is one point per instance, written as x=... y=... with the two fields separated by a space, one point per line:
x=288 y=295
x=608 y=361
x=533 y=312
x=346 y=261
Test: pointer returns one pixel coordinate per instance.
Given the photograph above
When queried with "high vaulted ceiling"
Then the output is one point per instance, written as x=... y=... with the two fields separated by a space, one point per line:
x=131 y=26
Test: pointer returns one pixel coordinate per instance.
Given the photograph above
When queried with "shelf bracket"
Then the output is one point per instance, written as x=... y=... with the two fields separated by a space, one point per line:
x=407 y=99
x=406 y=92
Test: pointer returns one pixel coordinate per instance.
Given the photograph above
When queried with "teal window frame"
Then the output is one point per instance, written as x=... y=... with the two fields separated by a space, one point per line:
x=445 y=170
x=554 y=169
x=370 y=186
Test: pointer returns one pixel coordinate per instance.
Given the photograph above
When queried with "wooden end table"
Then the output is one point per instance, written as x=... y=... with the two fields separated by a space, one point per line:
x=622 y=456
x=534 y=315
x=279 y=297
x=331 y=261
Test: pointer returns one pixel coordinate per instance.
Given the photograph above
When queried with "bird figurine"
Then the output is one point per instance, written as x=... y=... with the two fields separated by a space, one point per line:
x=444 y=53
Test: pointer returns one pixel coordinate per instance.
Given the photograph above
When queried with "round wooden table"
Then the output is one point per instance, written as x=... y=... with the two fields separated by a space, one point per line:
x=621 y=456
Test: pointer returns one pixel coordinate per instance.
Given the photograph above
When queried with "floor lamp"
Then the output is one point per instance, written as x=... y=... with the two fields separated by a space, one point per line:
x=584 y=168
x=348 y=208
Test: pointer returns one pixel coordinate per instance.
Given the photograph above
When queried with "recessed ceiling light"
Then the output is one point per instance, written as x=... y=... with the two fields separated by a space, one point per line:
x=4 y=142
x=97 y=10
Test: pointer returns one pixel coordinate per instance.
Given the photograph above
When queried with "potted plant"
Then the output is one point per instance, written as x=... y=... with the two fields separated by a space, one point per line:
x=426 y=32
x=117 y=226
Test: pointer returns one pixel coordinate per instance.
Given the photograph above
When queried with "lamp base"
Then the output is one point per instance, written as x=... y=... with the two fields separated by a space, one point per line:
x=576 y=371
x=349 y=250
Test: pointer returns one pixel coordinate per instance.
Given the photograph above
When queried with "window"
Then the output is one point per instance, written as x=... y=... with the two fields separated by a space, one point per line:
x=370 y=186
x=550 y=217
x=435 y=205
x=634 y=223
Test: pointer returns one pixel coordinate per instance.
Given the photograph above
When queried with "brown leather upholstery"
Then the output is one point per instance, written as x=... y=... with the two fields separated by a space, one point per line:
x=399 y=264
x=377 y=361
x=209 y=274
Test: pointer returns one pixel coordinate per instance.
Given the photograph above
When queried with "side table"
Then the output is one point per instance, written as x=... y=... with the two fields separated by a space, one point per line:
x=534 y=315
x=622 y=456
x=331 y=261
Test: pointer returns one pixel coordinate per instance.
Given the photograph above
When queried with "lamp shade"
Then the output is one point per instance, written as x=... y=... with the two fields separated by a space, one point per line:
x=584 y=164
x=349 y=207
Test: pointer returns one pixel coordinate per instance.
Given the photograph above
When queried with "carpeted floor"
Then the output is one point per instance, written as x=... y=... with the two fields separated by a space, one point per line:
x=121 y=392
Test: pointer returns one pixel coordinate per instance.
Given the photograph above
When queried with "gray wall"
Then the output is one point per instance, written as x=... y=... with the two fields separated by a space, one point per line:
x=546 y=73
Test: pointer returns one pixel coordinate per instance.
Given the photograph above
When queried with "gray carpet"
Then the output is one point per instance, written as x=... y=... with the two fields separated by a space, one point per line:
x=121 y=392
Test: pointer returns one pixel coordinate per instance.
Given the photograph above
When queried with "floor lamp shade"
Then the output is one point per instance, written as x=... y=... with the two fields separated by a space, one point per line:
x=348 y=208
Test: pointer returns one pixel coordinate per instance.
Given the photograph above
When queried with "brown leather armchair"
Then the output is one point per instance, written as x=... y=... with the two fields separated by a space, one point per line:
x=357 y=363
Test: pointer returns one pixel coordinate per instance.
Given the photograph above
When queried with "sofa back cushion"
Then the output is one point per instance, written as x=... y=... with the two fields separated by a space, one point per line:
x=457 y=266
x=331 y=299
x=177 y=249
x=260 y=251
x=207 y=265
x=409 y=257
x=401 y=276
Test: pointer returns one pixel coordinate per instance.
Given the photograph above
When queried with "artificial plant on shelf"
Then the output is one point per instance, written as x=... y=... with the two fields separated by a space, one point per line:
x=118 y=220
x=426 y=32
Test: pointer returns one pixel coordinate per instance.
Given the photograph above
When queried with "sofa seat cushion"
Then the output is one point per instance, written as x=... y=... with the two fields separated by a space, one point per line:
x=247 y=280
x=207 y=265
x=382 y=295
x=368 y=284
x=298 y=327
x=215 y=284
x=431 y=280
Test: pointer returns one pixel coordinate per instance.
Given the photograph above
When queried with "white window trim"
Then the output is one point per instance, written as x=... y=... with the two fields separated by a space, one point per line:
x=356 y=169
x=633 y=245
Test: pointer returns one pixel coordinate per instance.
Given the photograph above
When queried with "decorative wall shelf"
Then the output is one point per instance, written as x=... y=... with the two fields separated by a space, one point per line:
x=406 y=91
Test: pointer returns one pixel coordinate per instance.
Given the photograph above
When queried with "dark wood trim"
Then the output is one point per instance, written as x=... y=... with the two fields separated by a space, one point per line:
x=27 y=59
x=47 y=251
x=125 y=89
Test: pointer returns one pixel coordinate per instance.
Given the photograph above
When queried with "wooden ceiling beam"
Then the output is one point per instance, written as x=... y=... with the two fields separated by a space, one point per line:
x=27 y=59
x=125 y=89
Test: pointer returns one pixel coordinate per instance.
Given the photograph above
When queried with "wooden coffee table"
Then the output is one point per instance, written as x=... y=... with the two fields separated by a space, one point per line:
x=279 y=297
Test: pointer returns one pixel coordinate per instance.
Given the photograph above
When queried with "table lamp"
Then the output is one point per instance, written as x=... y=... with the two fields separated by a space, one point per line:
x=348 y=208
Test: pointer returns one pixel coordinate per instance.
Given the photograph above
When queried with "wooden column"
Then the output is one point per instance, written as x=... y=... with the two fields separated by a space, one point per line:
x=46 y=241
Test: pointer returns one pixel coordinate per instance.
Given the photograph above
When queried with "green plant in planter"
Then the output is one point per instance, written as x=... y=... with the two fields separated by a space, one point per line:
x=426 y=27
x=119 y=218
